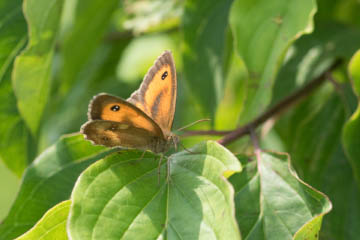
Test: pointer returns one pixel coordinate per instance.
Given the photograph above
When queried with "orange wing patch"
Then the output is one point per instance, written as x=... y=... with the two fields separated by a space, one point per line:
x=111 y=108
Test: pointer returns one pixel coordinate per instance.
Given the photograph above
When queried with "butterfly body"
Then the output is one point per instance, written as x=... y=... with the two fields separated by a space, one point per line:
x=144 y=120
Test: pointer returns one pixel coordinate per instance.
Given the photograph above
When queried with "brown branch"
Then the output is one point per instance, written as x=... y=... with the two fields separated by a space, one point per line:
x=279 y=107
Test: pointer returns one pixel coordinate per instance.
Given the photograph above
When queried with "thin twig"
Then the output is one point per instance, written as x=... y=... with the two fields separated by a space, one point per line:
x=279 y=107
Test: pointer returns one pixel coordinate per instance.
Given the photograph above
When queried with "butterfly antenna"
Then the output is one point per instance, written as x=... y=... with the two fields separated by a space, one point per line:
x=193 y=123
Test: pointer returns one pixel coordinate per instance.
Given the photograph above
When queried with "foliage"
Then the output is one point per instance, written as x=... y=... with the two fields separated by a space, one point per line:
x=237 y=61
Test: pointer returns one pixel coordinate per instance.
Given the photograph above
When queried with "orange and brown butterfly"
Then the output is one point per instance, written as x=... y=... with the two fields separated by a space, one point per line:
x=144 y=120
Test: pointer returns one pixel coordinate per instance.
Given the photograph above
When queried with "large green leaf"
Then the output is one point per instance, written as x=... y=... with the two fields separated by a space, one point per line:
x=273 y=203
x=351 y=131
x=340 y=185
x=312 y=149
x=120 y=197
x=32 y=69
x=205 y=24
x=52 y=225
x=91 y=20
x=14 y=135
x=48 y=181
x=263 y=30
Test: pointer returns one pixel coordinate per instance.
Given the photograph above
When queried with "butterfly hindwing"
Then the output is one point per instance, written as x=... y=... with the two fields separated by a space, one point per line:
x=157 y=93
x=114 y=134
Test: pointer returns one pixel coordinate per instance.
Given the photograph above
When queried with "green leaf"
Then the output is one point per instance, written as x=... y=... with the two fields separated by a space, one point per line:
x=123 y=196
x=91 y=20
x=52 y=225
x=340 y=185
x=14 y=135
x=32 y=69
x=48 y=181
x=273 y=203
x=205 y=24
x=351 y=131
x=263 y=30
x=313 y=54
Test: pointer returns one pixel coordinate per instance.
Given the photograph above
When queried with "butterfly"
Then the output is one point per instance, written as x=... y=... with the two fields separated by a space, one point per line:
x=144 y=120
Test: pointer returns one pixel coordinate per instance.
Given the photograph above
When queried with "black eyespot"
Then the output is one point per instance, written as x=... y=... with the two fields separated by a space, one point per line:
x=115 y=108
x=165 y=74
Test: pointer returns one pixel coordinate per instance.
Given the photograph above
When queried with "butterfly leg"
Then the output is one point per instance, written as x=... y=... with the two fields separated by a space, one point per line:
x=168 y=170
x=142 y=155
x=159 y=168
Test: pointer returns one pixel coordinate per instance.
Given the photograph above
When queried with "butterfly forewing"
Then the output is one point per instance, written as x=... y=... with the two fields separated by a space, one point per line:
x=157 y=93
x=112 y=108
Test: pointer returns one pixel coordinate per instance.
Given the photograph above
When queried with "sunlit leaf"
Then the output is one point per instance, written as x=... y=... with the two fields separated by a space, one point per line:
x=32 y=68
x=120 y=197
x=52 y=225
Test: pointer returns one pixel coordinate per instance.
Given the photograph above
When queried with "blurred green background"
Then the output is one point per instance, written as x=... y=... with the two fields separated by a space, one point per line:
x=234 y=59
